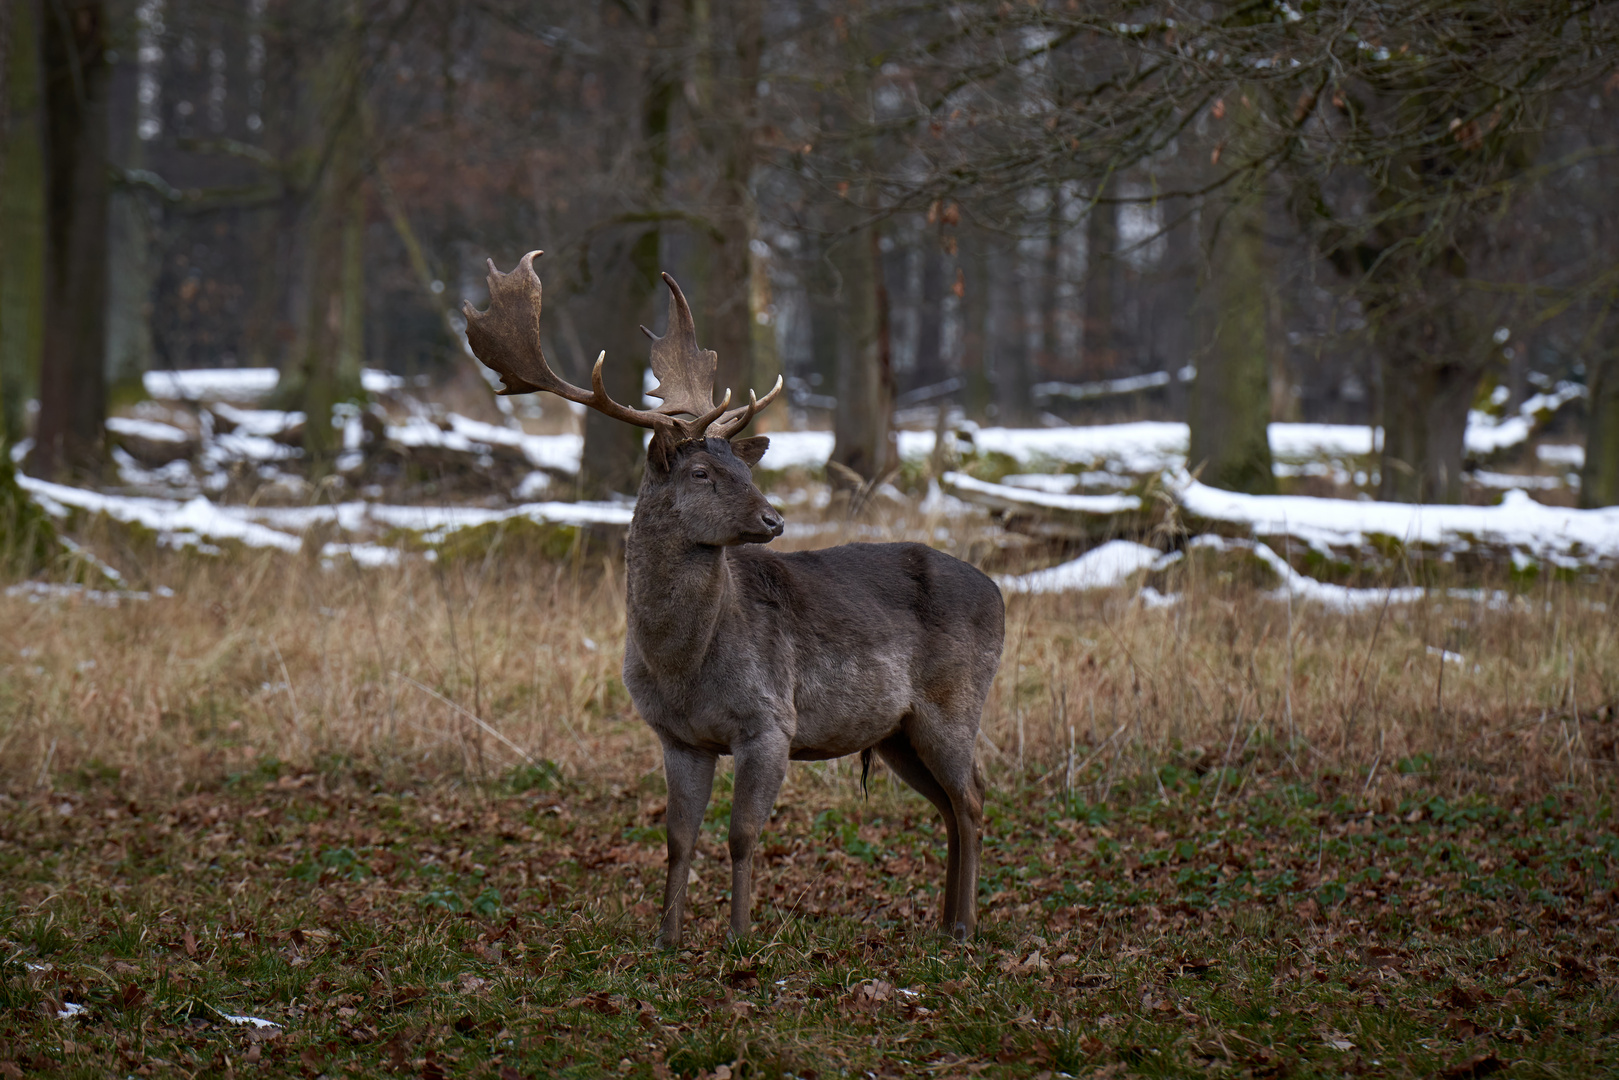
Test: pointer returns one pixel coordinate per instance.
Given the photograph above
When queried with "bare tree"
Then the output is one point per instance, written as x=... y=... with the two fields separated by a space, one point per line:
x=22 y=222
x=1398 y=130
x=73 y=396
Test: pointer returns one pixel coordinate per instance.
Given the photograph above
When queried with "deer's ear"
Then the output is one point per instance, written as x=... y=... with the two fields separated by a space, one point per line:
x=660 y=453
x=751 y=450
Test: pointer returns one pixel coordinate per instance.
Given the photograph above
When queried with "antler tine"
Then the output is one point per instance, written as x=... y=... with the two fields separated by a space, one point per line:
x=685 y=370
x=506 y=338
x=602 y=403
x=698 y=428
x=738 y=419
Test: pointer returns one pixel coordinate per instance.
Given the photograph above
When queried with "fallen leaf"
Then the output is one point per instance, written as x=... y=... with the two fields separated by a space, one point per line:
x=1481 y=1065
x=743 y=979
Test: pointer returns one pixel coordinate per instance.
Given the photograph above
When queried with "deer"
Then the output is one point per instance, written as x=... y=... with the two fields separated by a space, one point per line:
x=767 y=656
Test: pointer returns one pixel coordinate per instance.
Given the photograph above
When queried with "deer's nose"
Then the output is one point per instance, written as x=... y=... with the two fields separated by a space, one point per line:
x=772 y=521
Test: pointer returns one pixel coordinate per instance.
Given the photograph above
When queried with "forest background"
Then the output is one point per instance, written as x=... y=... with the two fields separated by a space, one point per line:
x=314 y=754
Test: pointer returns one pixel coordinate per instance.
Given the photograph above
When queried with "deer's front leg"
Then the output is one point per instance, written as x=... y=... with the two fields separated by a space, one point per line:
x=761 y=766
x=690 y=774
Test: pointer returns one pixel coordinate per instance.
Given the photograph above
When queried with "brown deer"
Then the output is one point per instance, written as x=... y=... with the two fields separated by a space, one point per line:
x=769 y=656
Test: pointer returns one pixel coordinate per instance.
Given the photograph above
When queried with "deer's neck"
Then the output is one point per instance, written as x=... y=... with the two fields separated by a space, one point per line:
x=675 y=592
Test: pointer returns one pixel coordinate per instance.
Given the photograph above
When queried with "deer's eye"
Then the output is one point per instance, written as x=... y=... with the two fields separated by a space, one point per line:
x=699 y=474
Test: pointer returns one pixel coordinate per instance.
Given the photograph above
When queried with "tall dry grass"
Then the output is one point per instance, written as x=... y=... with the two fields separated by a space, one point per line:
x=500 y=657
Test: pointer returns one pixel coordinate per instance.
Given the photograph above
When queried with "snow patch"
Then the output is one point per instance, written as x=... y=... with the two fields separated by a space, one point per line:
x=1552 y=532
x=241 y=384
x=151 y=430
x=1561 y=454
x=1100 y=568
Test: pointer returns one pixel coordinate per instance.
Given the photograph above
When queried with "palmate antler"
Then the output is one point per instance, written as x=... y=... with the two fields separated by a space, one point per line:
x=507 y=339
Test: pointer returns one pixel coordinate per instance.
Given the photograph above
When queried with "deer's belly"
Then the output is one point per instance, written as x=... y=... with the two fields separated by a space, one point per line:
x=713 y=721
x=843 y=713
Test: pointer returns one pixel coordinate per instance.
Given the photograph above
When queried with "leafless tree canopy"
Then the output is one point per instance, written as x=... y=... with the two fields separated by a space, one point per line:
x=1346 y=210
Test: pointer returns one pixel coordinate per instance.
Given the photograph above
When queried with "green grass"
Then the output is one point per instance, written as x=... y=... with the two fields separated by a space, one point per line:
x=1183 y=930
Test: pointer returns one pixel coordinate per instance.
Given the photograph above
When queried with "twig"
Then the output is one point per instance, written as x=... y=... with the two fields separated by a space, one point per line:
x=430 y=692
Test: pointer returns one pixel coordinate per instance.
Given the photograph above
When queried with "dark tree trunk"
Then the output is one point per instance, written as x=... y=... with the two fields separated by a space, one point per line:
x=1048 y=365
x=825 y=317
x=734 y=39
x=626 y=284
x=863 y=424
x=132 y=270
x=930 y=366
x=1008 y=340
x=1229 y=410
x=614 y=452
x=326 y=362
x=1424 y=426
x=1599 y=479
x=1101 y=274
x=972 y=289
x=27 y=538
x=72 y=384
x=1431 y=360
x=22 y=222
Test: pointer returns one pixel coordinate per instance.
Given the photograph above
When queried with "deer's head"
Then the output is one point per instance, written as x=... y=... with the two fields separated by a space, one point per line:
x=697 y=464
x=709 y=486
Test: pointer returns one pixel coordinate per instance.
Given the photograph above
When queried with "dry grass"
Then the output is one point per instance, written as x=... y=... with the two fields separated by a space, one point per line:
x=498 y=655
x=1286 y=847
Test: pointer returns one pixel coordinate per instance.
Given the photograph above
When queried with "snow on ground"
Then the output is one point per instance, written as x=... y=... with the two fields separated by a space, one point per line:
x=1101 y=567
x=40 y=591
x=1557 y=534
x=152 y=430
x=1508 y=481
x=236 y=384
x=1024 y=496
x=1337 y=597
x=560 y=453
x=1561 y=454
x=178 y=524
x=1112 y=564
x=241 y=384
x=199 y=523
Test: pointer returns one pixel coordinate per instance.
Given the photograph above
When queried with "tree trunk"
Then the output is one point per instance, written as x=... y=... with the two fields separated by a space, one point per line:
x=1424 y=427
x=728 y=90
x=326 y=362
x=27 y=538
x=72 y=384
x=131 y=268
x=1230 y=400
x=614 y=452
x=1599 y=479
x=1431 y=364
x=1101 y=273
x=1008 y=341
x=762 y=322
x=972 y=290
x=863 y=424
x=930 y=362
x=1048 y=365
x=22 y=223
x=626 y=290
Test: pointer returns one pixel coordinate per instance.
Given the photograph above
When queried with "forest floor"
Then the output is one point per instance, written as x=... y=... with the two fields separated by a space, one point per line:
x=276 y=818
x=1269 y=924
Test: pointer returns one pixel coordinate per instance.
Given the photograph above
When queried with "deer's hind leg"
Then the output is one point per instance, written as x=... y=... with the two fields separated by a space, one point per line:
x=946 y=751
x=901 y=756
